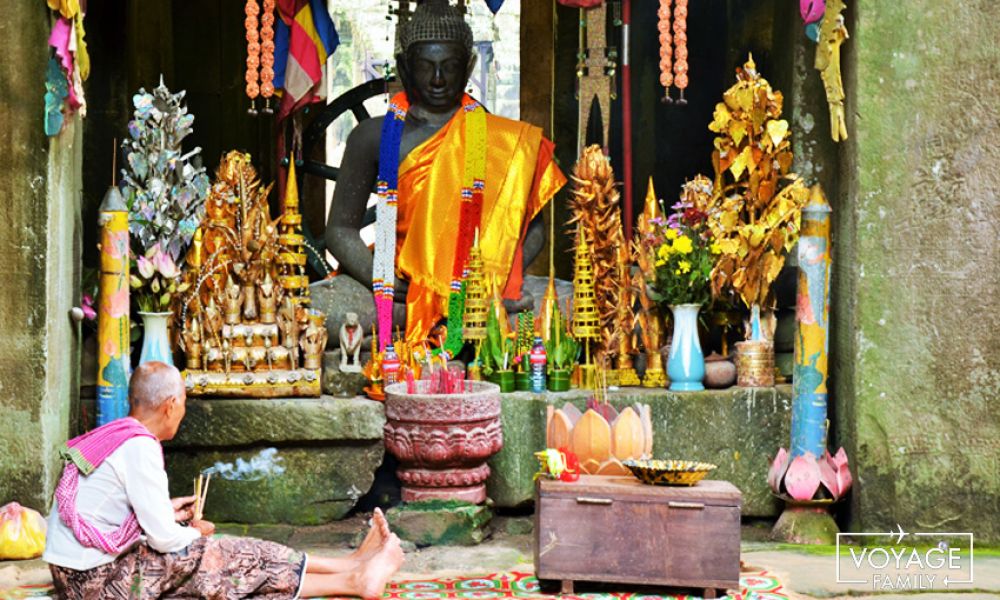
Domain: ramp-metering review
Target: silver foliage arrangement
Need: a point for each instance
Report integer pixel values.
(165, 188)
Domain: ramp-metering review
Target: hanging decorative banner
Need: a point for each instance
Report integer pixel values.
(832, 34)
(594, 72)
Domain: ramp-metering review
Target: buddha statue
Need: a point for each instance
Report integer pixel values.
(436, 178)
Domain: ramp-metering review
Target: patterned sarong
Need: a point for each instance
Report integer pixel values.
(222, 568)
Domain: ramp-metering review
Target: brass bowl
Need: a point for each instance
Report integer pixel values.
(669, 472)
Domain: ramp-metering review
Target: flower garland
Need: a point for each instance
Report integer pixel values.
(252, 9)
(680, 48)
(267, 56)
(673, 46)
(666, 49)
(473, 185)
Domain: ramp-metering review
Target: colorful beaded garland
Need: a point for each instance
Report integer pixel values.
(473, 185)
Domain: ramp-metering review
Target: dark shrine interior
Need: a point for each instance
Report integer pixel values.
(199, 47)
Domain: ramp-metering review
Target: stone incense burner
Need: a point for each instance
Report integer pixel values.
(443, 441)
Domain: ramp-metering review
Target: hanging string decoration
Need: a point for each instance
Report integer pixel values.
(680, 48)
(252, 9)
(267, 55)
(666, 50)
(673, 48)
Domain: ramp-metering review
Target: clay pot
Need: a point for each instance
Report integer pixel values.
(720, 372)
(442, 441)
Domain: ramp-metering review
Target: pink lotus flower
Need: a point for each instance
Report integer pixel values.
(146, 267)
(165, 265)
(804, 477)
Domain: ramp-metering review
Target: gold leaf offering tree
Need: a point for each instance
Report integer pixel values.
(596, 212)
(244, 325)
(756, 204)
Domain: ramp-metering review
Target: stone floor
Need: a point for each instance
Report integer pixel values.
(805, 574)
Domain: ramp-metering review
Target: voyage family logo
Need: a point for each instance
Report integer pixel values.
(901, 561)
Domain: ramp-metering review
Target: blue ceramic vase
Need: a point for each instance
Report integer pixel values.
(155, 339)
(686, 365)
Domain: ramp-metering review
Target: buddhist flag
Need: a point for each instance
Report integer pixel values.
(304, 38)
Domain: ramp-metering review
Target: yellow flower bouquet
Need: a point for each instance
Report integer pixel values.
(685, 254)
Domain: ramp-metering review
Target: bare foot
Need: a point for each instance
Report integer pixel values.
(377, 571)
(377, 534)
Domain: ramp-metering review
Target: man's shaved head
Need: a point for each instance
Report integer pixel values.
(153, 383)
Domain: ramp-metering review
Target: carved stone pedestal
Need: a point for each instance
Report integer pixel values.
(442, 441)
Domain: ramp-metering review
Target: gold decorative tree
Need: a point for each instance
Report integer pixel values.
(649, 314)
(245, 329)
(596, 212)
(586, 321)
(757, 201)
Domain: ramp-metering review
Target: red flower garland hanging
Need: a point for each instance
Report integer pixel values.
(666, 75)
(680, 48)
(252, 9)
(267, 58)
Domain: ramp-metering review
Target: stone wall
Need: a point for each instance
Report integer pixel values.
(301, 461)
(917, 356)
(737, 429)
(39, 251)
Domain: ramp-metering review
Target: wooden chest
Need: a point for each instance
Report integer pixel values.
(616, 529)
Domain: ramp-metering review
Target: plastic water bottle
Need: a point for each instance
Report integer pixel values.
(390, 366)
(538, 360)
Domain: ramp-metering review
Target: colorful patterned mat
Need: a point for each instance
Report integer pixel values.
(497, 586)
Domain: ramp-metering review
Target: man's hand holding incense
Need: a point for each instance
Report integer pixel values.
(183, 508)
(206, 528)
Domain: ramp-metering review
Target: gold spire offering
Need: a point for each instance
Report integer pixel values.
(245, 328)
(292, 258)
(624, 373)
(586, 322)
(649, 315)
(476, 301)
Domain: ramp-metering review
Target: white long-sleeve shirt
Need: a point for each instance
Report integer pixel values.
(132, 478)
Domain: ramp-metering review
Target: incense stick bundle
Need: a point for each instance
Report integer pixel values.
(200, 494)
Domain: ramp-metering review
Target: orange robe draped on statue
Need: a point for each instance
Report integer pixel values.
(521, 177)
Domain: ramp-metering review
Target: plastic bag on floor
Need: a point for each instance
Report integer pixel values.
(22, 532)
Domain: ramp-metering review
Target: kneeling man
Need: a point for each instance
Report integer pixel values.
(114, 532)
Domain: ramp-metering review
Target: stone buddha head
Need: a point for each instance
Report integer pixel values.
(436, 58)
